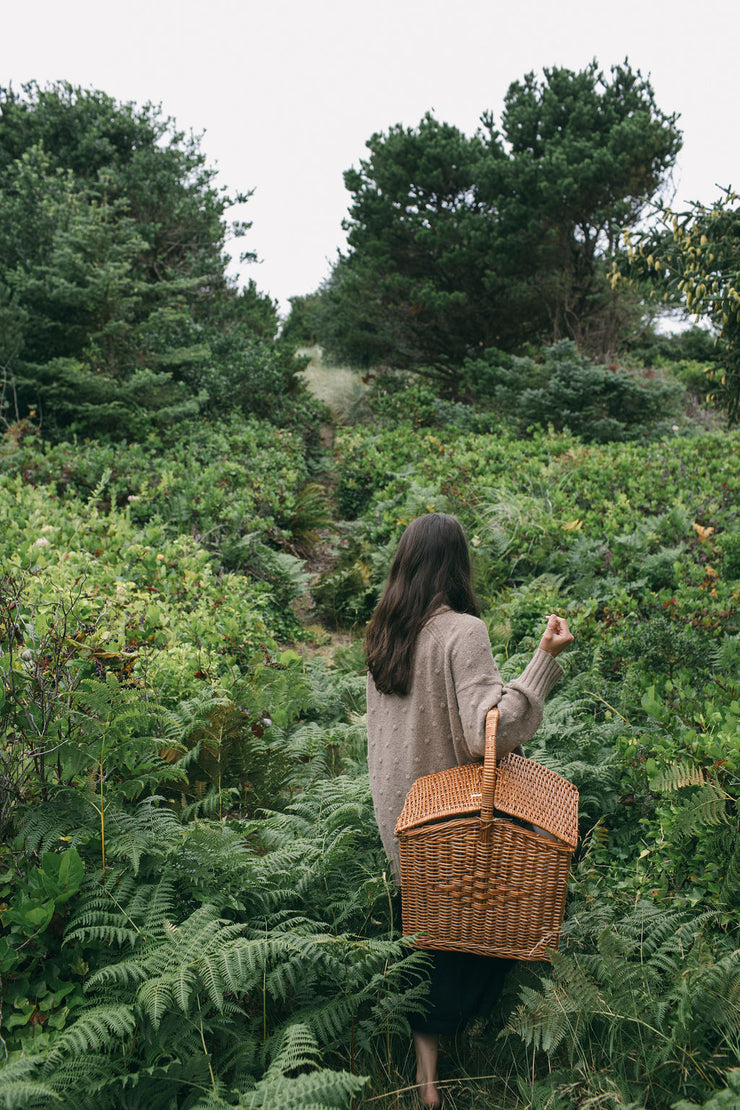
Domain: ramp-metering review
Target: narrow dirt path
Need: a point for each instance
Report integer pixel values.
(343, 391)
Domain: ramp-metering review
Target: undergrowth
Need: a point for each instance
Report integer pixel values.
(196, 907)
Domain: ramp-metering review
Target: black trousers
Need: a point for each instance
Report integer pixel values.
(462, 986)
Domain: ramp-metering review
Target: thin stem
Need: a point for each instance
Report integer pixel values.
(102, 817)
(598, 697)
(205, 1050)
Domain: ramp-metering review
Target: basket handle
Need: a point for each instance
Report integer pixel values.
(489, 769)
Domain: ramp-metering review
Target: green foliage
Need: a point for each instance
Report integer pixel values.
(647, 990)
(726, 1099)
(595, 514)
(116, 312)
(400, 398)
(693, 257)
(636, 543)
(195, 904)
(320, 1088)
(461, 244)
(300, 326)
(597, 403)
(202, 985)
(690, 345)
(586, 156)
(241, 488)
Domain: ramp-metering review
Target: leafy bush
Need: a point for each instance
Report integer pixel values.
(194, 897)
(598, 403)
(625, 996)
(241, 489)
(405, 398)
(258, 377)
(225, 985)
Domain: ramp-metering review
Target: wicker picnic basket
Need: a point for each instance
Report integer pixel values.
(475, 876)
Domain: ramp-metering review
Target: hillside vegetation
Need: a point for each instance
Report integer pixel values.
(196, 908)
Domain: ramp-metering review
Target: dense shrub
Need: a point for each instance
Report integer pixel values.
(194, 897)
(565, 389)
(240, 488)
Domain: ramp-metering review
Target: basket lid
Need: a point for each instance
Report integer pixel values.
(455, 792)
(523, 789)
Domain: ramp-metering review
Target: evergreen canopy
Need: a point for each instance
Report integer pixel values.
(113, 283)
(458, 244)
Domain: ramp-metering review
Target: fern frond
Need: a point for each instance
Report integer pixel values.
(19, 1090)
(98, 1029)
(124, 911)
(651, 984)
(313, 1088)
(297, 1049)
(152, 903)
(676, 776)
(105, 934)
(540, 1019)
(152, 829)
(707, 807)
(67, 814)
(725, 655)
(708, 986)
(731, 883)
(318, 1090)
(212, 803)
(155, 997)
(124, 975)
(191, 715)
(26, 1094)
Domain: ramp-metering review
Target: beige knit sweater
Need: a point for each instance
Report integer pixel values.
(440, 723)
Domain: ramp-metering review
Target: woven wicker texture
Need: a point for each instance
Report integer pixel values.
(474, 881)
(499, 892)
(444, 794)
(523, 789)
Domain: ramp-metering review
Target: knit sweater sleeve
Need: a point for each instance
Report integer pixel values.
(479, 687)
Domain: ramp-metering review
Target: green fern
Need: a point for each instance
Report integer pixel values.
(295, 1080)
(678, 775)
(706, 807)
(312, 515)
(19, 1090)
(731, 884)
(725, 655)
(646, 987)
(67, 816)
(99, 1028)
(151, 830)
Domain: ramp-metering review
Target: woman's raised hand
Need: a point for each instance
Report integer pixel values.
(557, 635)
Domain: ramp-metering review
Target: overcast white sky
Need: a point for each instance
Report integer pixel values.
(288, 91)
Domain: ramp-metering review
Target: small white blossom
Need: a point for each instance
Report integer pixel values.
(41, 542)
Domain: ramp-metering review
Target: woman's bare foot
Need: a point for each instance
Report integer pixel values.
(427, 1047)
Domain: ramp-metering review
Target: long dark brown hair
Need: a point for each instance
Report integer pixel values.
(431, 568)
